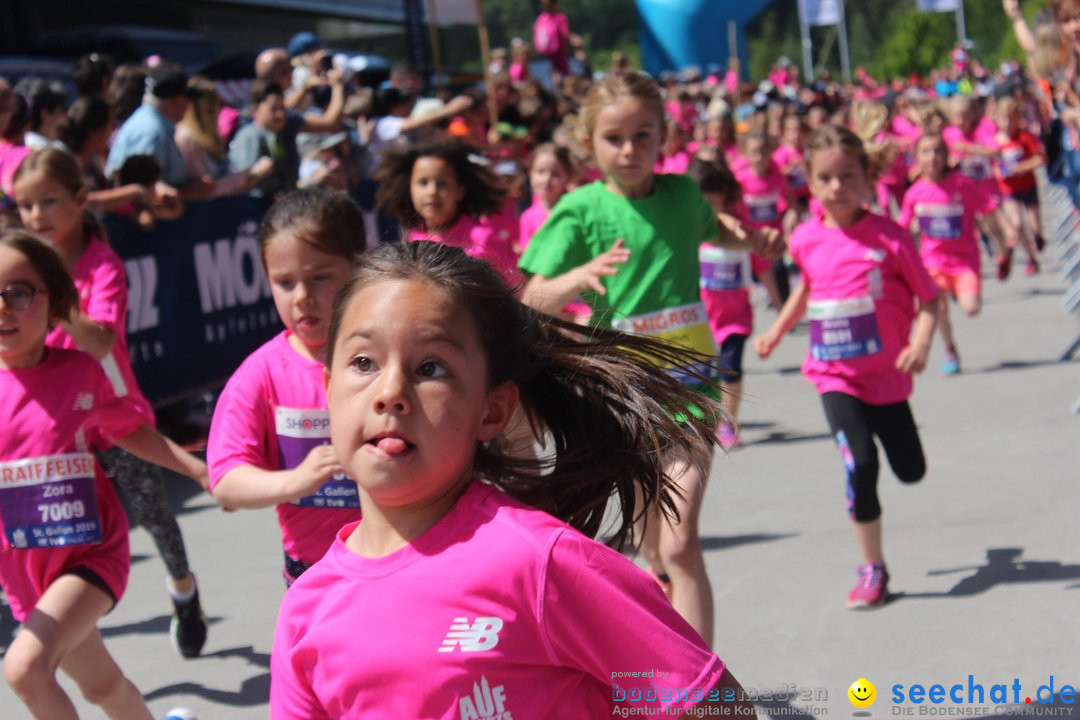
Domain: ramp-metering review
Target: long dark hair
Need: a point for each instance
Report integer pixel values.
(614, 415)
(484, 193)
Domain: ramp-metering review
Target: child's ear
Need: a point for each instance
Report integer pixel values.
(326, 381)
(82, 196)
(501, 403)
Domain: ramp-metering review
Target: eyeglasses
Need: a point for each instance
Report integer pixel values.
(20, 295)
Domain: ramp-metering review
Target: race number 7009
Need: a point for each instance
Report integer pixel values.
(57, 511)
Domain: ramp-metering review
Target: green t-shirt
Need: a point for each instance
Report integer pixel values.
(657, 291)
(662, 232)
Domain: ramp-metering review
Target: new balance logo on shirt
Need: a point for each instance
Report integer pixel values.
(486, 702)
(84, 401)
(481, 635)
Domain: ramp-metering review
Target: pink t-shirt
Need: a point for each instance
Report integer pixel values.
(531, 220)
(498, 611)
(270, 415)
(490, 239)
(764, 198)
(725, 275)
(676, 164)
(103, 295)
(946, 214)
(974, 165)
(11, 157)
(519, 72)
(52, 490)
(792, 163)
(863, 281)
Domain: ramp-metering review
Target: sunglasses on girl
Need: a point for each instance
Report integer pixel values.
(20, 295)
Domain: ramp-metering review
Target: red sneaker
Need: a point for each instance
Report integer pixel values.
(1004, 263)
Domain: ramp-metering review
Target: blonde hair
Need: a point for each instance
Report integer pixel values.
(200, 120)
(870, 120)
(632, 84)
(829, 137)
(1049, 47)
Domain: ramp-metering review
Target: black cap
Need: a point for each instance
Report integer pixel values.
(167, 81)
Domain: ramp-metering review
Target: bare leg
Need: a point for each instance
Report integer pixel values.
(680, 549)
(65, 620)
(944, 324)
(868, 536)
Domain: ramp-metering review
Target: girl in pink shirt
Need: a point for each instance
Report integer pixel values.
(861, 282)
(674, 156)
(51, 194)
(269, 438)
(946, 205)
(550, 172)
(765, 204)
(64, 555)
(440, 192)
(474, 565)
(725, 278)
(788, 156)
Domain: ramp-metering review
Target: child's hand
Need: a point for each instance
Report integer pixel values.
(591, 273)
(768, 243)
(203, 478)
(319, 466)
(912, 359)
(261, 169)
(765, 344)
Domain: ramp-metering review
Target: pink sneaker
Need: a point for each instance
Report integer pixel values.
(872, 589)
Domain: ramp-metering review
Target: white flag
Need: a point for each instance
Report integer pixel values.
(938, 5)
(820, 12)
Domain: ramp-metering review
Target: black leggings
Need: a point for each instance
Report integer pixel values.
(143, 485)
(854, 424)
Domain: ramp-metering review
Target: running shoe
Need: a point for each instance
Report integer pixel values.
(1032, 268)
(188, 627)
(951, 366)
(872, 589)
(1004, 263)
(728, 436)
(662, 579)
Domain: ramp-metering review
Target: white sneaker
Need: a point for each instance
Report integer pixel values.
(180, 714)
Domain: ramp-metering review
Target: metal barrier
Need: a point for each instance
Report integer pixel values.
(1060, 219)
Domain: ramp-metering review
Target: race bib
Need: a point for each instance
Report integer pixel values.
(762, 208)
(723, 269)
(301, 431)
(941, 221)
(50, 501)
(975, 167)
(1010, 158)
(843, 329)
(797, 178)
(686, 325)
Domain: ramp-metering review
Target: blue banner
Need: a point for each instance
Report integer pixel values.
(198, 298)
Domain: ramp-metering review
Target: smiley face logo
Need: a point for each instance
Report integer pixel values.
(862, 693)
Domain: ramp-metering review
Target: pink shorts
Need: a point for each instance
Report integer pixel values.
(958, 282)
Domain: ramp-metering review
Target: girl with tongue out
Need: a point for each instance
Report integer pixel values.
(269, 438)
(472, 587)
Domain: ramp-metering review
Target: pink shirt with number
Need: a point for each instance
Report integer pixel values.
(975, 166)
(487, 239)
(946, 213)
(270, 415)
(498, 611)
(57, 509)
(864, 280)
(792, 163)
(103, 295)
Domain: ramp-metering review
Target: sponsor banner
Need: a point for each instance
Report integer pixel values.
(198, 298)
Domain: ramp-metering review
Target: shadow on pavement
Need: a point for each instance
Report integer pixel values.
(782, 436)
(158, 625)
(247, 652)
(253, 691)
(722, 543)
(1019, 365)
(1003, 566)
